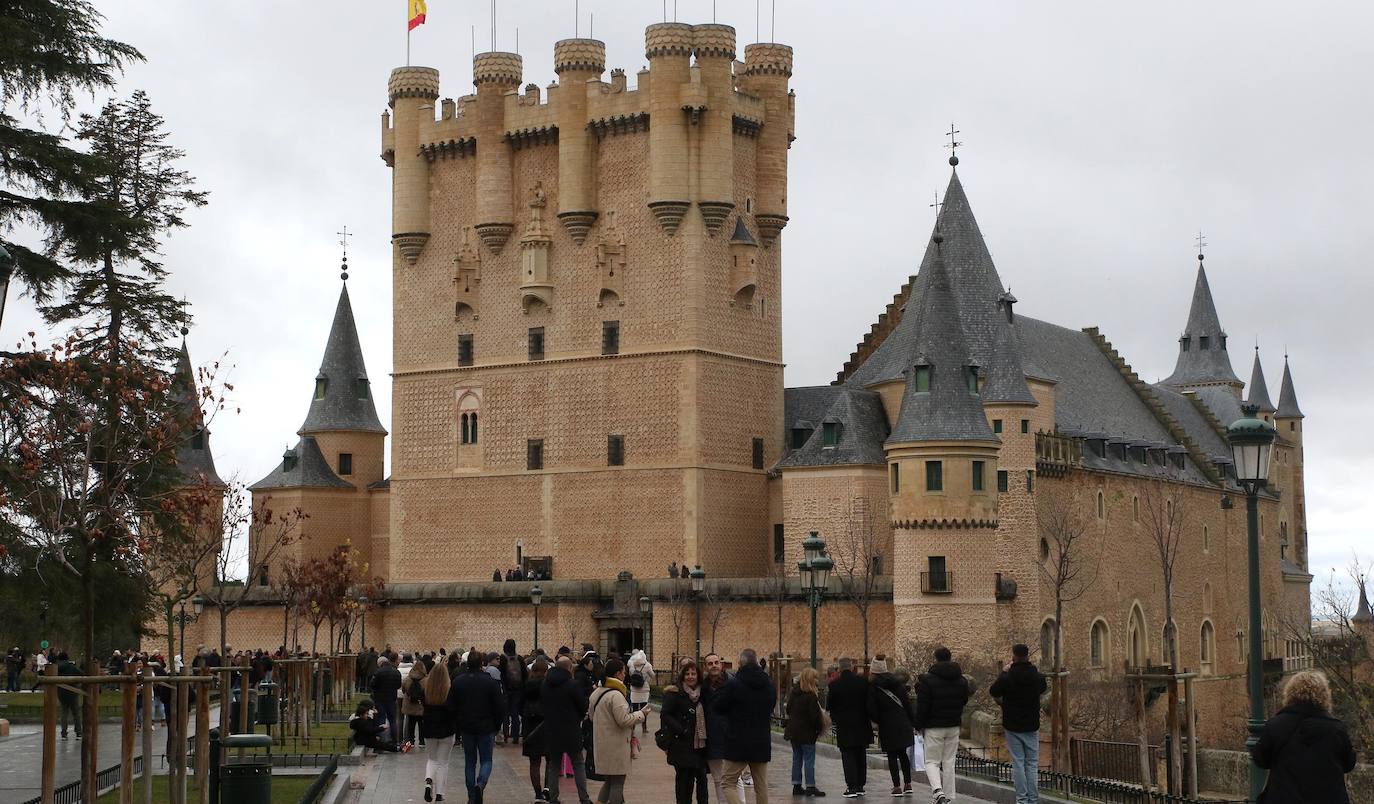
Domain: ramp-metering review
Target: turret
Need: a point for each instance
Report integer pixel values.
(494, 74)
(714, 46)
(195, 461)
(767, 68)
(578, 62)
(1288, 418)
(1202, 356)
(1258, 392)
(668, 46)
(411, 93)
(744, 264)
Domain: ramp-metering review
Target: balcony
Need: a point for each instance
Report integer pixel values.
(937, 583)
(1056, 454)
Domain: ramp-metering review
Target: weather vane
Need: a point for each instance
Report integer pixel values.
(953, 145)
(1201, 243)
(343, 241)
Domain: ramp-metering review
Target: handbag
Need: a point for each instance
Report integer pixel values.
(917, 752)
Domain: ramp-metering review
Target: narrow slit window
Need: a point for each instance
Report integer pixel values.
(997, 425)
(321, 385)
(896, 478)
(615, 450)
(935, 476)
(610, 337)
(534, 454)
(536, 343)
(757, 453)
(465, 349)
(978, 475)
(779, 543)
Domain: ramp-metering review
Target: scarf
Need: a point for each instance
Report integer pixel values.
(699, 736)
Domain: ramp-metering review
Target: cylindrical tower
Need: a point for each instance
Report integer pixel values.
(494, 74)
(767, 67)
(668, 46)
(715, 51)
(408, 91)
(576, 61)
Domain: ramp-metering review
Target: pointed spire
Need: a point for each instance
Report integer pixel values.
(343, 395)
(1259, 389)
(1005, 376)
(1202, 355)
(741, 234)
(1288, 398)
(194, 458)
(1363, 614)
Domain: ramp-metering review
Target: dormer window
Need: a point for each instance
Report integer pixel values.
(971, 376)
(1222, 338)
(321, 385)
(1203, 342)
(198, 440)
(922, 379)
(1186, 342)
(360, 387)
(830, 433)
(289, 461)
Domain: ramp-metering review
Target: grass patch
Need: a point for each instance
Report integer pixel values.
(107, 698)
(285, 790)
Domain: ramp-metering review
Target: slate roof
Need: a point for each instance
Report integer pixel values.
(1288, 398)
(310, 470)
(741, 234)
(347, 401)
(1222, 401)
(1258, 392)
(1005, 374)
(1196, 365)
(857, 413)
(1203, 433)
(193, 462)
(1363, 614)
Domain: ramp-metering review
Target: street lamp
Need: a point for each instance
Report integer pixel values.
(646, 605)
(182, 618)
(536, 597)
(6, 270)
(698, 576)
(362, 636)
(1251, 441)
(815, 577)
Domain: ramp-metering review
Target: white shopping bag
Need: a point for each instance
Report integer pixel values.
(917, 753)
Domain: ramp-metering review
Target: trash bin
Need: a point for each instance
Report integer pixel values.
(236, 704)
(246, 782)
(267, 704)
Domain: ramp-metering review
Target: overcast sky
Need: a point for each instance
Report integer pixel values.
(1099, 138)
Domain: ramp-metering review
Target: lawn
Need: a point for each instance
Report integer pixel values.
(285, 790)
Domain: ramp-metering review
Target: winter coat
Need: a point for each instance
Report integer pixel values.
(477, 704)
(889, 705)
(385, 683)
(532, 718)
(941, 694)
(67, 667)
(1018, 690)
(715, 726)
(413, 687)
(612, 726)
(679, 717)
(513, 673)
(804, 724)
(848, 704)
(564, 708)
(639, 663)
(368, 732)
(1307, 753)
(746, 704)
(437, 721)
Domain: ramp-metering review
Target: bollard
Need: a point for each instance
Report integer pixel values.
(214, 766)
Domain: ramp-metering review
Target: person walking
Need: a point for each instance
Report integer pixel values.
(1017, 690)
(532, 723)
(941, 693)
(513, 675)
(386, 683)
(848, 704)
(640, 678)
(684, 720)
(368, 731)
(746, 704)
(564, 706)
(436, 729)
(413, 700)
(716, 678)
(68, 699)
(1306, 750)
(889, 705)
(14, 665)
(806, 722)
(613, 728)
(478, 709)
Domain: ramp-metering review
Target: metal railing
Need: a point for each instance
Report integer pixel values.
(316, 789)
(70, 793)
(1102, 759)
(937, 583)
(1078, 787)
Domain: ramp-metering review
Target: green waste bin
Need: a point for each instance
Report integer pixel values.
(246, 782)
(267, 704)
(236, 703)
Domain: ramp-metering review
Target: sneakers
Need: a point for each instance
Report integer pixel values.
(852, 794)
(429, 789)
(897, 791)
(906, 790)
(941, 798)
(406, 747)
(812, 792)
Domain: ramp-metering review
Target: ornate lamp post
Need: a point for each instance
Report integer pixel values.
(536, 597)
(182, 618)
(646, 606)
(6, 270)
(698, 577)
(815, 577)
(1251, 441)
(362, 636)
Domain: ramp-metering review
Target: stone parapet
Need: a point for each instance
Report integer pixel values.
(413, 82)
(668, 39)
(579, 54)
(768, 58)
(712, 40)
(497, 68)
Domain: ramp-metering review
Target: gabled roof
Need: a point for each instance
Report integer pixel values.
(1259, 389)
(193, 461)
(302, 466)
(347, 400)
(1197, 365)
(1288, 398)
(857, 414)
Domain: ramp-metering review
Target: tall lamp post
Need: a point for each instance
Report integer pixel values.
(646, 605)
(698, 576)
(815, 570)
(1251, 440)
(536, 597)
(362, 635)
(182, 618)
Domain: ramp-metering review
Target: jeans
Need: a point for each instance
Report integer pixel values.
(612, 790)
(71, 706)
(477, 749)
(554, 766)
(387, 710)
(942, 744)
(804, 764)
(855, 765)
(12, 681)
(1025, 765)
(515, 699)
(732, 777)
(436, 763)
(687, 780)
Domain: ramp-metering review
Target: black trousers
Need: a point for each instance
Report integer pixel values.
(855, 767)
(899, 765)
(686, 780)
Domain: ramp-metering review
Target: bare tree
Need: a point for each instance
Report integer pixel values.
(1164, 514)
(254, 537)
(1067, 569)
(677, 594)
(717, 617)
(857, 554)
(774, 586)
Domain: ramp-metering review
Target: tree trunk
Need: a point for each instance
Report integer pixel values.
(223, 626)
(89, 746)
(167, 610)
(863, 614)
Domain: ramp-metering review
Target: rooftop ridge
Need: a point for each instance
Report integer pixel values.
(878, 332)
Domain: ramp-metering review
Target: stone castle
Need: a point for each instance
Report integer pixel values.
(588, 381)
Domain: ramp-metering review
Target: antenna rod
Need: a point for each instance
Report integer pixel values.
(591, 25)
(773, 23)
(493, 26)
(756, 20)
(577, 18)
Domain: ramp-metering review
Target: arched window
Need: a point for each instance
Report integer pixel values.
(1137, 639)
(1101, 506)
(1047, 643)
(468, 404)
(1099, 645)
(463, 428)
(1207, 648)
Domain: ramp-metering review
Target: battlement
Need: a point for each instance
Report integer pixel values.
(713, 41)
(582, 55)
(412, 82)
(496, 67)
(768, 58)
(668, 39)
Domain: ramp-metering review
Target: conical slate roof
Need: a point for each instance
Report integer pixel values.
(1199, 365)
(345, 400)
(1363, 613)
(1005, 375)
(741, 234)
(948, 411)
(1288, 398)
(302, 466)
(194, 459)
(1259, 389)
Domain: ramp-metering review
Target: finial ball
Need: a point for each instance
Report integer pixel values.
(954, 161)
(1199, 258)
(184, 331)
(938, 238)
(344, 276)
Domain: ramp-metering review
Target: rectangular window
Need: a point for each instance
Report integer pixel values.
(1187, 343)
(1203, 342)
(922, 378)
(345, 463)
(534, 454)
(876, 563)
(465, 350)
(757, 457)
(935, 476)
(896, 478)
(937, 577)
(1003, 482)
(830, 433)
(610, 337)
(1030, 481)
(779, 546)
(799, 436)
(978, 475)
(615, 450)
(360, 388)
(997, 425)
(1025, 425)
(321, 385)
(536, 343)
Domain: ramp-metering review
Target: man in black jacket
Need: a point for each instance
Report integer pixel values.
(941, 694)
(386, 683)
(564, 706)
(71, 703)
(1018, 690)
(847, 701)
(746, 704)
(478, 708)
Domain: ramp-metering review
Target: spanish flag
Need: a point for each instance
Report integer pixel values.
(416, 16)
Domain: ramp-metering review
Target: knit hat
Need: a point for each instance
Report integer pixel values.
(879, 665)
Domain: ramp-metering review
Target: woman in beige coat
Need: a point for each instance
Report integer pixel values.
(613, 727)
(413, 698)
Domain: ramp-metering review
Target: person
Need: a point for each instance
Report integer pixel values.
(413, 700)
(848, 704)
(941, 693)
(613, 728)
(746, 704)
(386, 683)
(368, 731)
(716, 679)
(496, 575)
(66, 697)
(1306, 750)
(589, 670)
(14, 665)
(640, 679)
(684, 719)
(436, 729)
(889, 705)
(564, 705)
(531, 721)
(1017, 690)
(369, 668)
(478, 709)
(672, 570)
(805, 725)
(513, 675)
